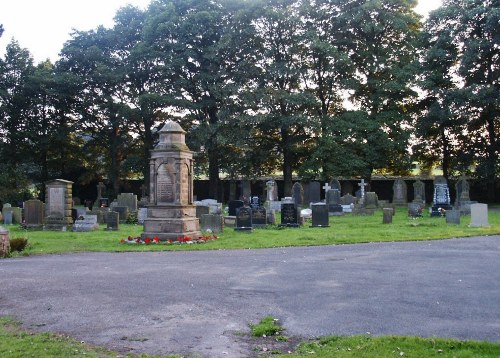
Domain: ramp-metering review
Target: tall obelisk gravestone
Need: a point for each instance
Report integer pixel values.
(171, 213)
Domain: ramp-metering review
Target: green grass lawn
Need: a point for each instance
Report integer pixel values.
(346, 229)
(366, 346)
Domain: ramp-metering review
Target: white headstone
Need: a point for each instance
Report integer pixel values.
(479, 215)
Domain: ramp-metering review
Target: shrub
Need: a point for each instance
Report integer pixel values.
(18, 244)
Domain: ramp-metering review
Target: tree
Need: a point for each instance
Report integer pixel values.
(464, 51)
(284, 105)
(201, 50)
(383, 45)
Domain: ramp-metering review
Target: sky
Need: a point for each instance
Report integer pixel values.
(43, 26)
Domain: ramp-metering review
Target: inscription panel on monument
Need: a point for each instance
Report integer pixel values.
(165, 185)
(57, 201)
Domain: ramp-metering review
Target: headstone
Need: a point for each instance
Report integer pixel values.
(272, 190)
(129, 200)
(419, 192)
(462, 188)
(453, 217)
(7, 217)
(415, 210)
(234, 206)
(362, 186)
(320, 215)
(314, 192)
(259, 217)
(333, 202)
(347, 199)
(142, 214)
(371, 200)
(441, 197)
(112, 221)
(271, 217)
(326, 187)
(202, 210)
(289, 215)
(213, 206)
(400, 194)
(335, 184)
(479, 215)
(86, 223)
(124, 213)
(388, 214)
(58, 205)
(298, 194)
(100, 213)
(212, 222)
(243, 219)
(255, 202)
(274, 206)
(463, 202)
(17, 215)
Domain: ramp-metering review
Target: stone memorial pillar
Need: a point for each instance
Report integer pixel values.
(58, 205)
(171, 212)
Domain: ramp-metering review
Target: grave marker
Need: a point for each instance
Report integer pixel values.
(243, 219)
(289, 215)
(33, 213)
(479, 215)
(259, 217)
(320, 215)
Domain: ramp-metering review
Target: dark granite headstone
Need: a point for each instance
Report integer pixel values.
(233, 206)
(289, 214)
(112, 220)
(319, 215)
(333, 202)
(259, 217)
(243, 219)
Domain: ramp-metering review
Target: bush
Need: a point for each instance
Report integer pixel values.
(18, 244)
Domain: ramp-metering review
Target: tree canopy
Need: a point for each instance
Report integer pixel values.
(318, 88)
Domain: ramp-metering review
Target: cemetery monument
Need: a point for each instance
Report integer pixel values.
(171, 211)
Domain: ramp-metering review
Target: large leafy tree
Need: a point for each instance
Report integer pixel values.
(463, 67)
(201, 49)
(383, 44)
(283, 117)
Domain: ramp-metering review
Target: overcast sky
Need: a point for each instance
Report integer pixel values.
(42, 26)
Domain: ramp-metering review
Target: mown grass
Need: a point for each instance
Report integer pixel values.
(346, 229)
(15, 342)
(393, 346)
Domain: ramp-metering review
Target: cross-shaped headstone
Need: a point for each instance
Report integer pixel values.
(362, 186)
(100, 188)
(326, 187)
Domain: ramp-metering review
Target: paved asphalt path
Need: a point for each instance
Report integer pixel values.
(197, 302)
